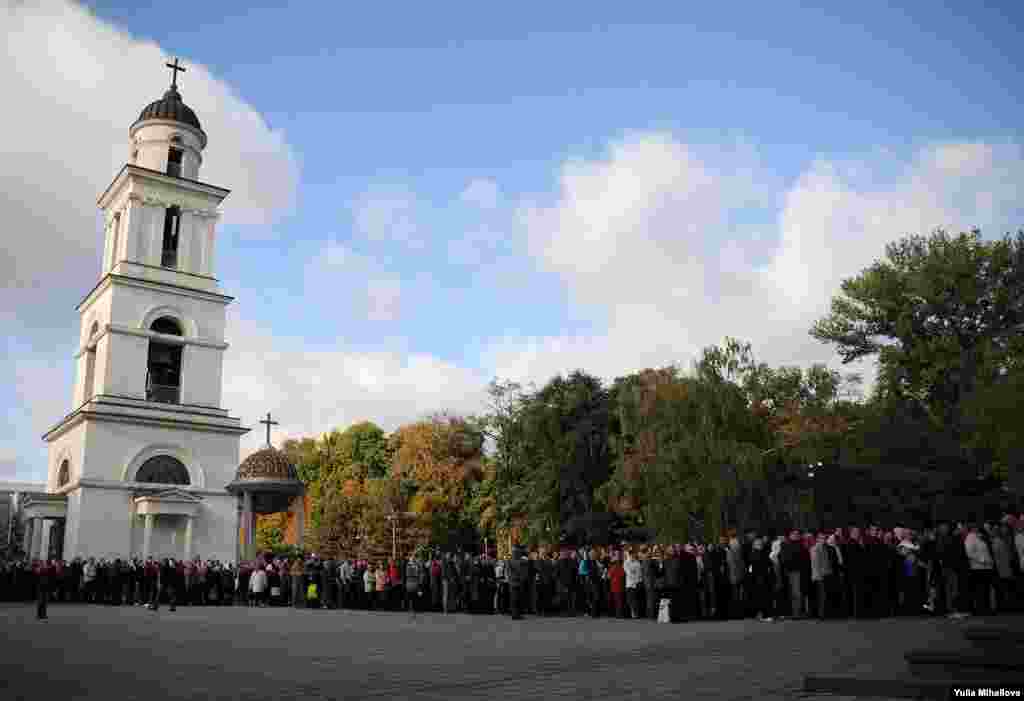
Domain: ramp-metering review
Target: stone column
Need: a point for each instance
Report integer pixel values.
(185, 234)
(188, 537)
(209, 232)
(249, 518)
(37, 538)
(300, 516)
(26, 544)
(147, 535)
(238, 530)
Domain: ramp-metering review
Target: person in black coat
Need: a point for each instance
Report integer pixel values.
(652, 573)
(719, 570)
(673, 582)
(794, 559)
(329, 583)
(762, 579)
(853, 554)
(166, 584)
(546, 571)
(519, 574)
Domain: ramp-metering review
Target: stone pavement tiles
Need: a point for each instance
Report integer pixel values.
(113, 653)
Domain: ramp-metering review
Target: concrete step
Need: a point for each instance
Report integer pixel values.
(996, 664)
(907, 688)
(996, 634)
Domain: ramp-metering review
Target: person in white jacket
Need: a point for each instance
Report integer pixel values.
(258, 586)
(979, 562)
(634, 578)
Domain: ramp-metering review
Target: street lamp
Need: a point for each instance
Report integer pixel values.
(394, 535)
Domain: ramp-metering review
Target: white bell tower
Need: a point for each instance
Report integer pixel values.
(145, 454)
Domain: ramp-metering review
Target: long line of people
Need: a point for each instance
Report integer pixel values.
(853, 572)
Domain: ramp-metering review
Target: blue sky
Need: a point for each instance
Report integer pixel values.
(462, 191)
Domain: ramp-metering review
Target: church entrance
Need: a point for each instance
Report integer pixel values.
(164, 522)
(55, 548)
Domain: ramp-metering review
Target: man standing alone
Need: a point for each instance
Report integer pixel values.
(44, 575)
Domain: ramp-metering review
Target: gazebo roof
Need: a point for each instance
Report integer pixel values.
(267, 470)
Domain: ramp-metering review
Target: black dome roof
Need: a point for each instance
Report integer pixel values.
(170, 107)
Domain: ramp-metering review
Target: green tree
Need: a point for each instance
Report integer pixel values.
(502, 426)
(563, 453)
(943, 314)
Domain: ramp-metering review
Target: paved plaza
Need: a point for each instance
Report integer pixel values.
(98, 652)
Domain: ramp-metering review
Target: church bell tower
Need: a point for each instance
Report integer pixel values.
(145, 454)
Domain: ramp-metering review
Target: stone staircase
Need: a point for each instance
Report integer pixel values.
(989, 653)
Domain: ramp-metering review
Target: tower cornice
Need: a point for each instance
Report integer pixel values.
(212, 192)
(112, 278)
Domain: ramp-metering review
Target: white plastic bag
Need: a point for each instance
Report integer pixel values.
(664, 612)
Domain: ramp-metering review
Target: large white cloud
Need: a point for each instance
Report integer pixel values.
(640, 236)
(313, 388)
(71, 86)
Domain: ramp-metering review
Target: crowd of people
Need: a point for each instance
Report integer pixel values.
(953, 569)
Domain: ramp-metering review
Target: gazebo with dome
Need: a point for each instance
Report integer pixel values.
(266, 483)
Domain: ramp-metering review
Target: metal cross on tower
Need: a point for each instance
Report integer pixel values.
(269, 422)
(174, 72)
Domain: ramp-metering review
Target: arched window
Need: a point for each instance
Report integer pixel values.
(163, 469)
(64, 474)
(163, 370)
(172, 227)
(167, 325)
(174, 158)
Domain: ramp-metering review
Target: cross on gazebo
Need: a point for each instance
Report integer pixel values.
(174, 72)
(269, 422)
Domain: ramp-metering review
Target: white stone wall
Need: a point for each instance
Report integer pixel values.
(114, 450)
(120, 361)
(72, 523)
(137, 307)
(103, 519)
(214, 533)
(69, 446)
(126, 377)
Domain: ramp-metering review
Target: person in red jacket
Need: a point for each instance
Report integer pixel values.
(43, 571)
(617, 585)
